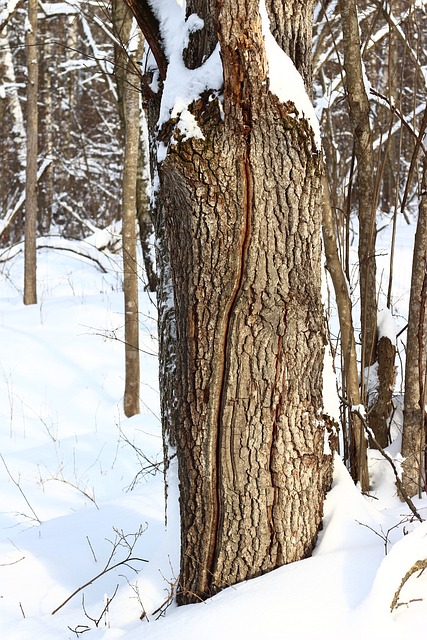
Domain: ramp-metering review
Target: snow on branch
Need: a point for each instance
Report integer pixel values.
(182, 85)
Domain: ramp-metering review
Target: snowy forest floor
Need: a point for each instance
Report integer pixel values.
(82, 491)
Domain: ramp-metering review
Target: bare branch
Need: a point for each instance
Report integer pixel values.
(120, 541)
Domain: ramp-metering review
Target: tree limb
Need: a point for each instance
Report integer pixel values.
(150, 27)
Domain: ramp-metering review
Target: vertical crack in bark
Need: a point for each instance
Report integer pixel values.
(247, 205)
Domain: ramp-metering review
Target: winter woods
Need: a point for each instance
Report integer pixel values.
(238, 134)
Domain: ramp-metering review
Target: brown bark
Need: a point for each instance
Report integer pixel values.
(350, 376)
(242, 212)
(130, 265)
(415, 414)
(291, 24)
(359, 117)
(151, 29)
(30, 276)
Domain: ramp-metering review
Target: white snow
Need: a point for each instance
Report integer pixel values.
(183, 86)
(71, 460)
(386, 325)
(285, 80)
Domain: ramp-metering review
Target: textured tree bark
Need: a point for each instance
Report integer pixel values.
(130, 264)
(242, 212)
(30, 268)
(415, 413)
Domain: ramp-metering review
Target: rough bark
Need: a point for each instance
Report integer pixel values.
(291, 24)
(242, 212)
(130, 264)
(202, 42)
(30, 275)
(415, 414)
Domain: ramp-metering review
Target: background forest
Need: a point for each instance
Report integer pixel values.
(373, 121)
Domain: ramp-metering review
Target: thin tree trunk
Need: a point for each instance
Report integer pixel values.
(241, 206)
(415, 413)
(130, 265)
(350, 376)
(122, 23)
(48, 184)
(359, 117)
(30, 276)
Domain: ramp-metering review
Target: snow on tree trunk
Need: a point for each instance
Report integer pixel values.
(240, 189)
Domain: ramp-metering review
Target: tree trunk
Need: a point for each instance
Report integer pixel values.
(242, 212)
(122, 24)
(30, 276)
(415, 413)
(350, 377)
(359, 117)
(130, 264)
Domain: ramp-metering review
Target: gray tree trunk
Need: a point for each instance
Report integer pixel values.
(122, 24)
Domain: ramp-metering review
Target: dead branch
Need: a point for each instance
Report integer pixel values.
(419, 565)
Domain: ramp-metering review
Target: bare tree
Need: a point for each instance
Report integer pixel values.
(359, 116)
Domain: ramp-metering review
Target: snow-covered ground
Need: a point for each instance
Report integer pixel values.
(82, 491)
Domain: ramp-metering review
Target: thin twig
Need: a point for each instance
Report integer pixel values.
(121, 540)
